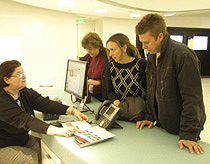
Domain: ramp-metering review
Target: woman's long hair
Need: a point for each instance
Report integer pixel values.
(121, 40)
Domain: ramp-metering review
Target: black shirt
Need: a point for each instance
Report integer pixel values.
(16, 121)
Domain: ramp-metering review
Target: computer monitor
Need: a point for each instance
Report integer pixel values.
(76, 81)
(198, 42)
(178, 38)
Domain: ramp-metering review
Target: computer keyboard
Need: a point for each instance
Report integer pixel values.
(47, 116)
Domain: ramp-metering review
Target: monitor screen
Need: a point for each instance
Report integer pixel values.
(178, 38)
(198, 42)
(76, 78)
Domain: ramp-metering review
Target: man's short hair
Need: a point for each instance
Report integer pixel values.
(153, 23)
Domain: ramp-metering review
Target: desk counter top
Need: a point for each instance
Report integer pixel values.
(129, 146)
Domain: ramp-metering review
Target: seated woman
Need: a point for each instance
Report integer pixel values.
(126, 74)
(97, 58)
(17, 118)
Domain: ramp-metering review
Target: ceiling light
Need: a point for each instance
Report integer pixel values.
(66, 3)
(135, 15)
(100, 11)
(167, 15)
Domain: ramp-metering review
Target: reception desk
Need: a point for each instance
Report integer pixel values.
(129, 146)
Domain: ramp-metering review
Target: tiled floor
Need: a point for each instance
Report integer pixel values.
(205, 134)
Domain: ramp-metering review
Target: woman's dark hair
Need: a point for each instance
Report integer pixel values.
(6, 70)
(121, 40)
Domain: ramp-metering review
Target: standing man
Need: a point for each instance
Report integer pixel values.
(174, 91)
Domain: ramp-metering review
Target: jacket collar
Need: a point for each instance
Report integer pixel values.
(1, 90)
(165, 44)
(152, 59)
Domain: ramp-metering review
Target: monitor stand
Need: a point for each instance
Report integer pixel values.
(116, 125)
(82, 107)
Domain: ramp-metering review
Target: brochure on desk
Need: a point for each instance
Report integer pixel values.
(89, 135)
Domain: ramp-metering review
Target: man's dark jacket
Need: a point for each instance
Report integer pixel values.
(178, 90)
(103, 74)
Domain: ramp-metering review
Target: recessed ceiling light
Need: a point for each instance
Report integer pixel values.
(66, 3)
(134, 15)
(167, 15)
(100, 11)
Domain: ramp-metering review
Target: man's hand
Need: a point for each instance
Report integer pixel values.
(191, 145)
(142, 123)
(116, 102)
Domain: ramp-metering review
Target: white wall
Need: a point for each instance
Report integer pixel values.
(125, 26)
(82, 30)
(48, 39)
(190, 21)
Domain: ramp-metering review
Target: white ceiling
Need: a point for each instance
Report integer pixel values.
(122, 8)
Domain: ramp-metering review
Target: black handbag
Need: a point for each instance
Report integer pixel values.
(132, 109)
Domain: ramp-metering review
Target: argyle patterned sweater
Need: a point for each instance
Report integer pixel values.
(126, 79)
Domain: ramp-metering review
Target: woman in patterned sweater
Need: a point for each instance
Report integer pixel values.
(126, 73)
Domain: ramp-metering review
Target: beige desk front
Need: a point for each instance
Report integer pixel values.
(129, 146)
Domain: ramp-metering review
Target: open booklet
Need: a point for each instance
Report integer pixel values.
(89, 135)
